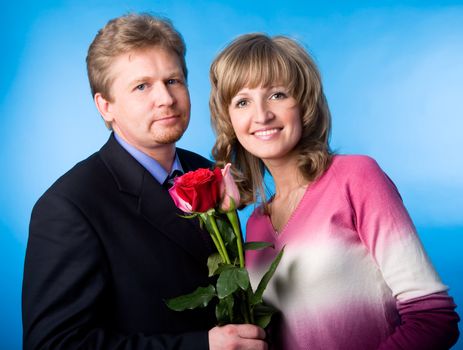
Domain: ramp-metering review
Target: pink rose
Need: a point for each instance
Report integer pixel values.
(197, 191)
(229, 191)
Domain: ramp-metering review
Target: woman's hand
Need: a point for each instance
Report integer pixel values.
(237, 337)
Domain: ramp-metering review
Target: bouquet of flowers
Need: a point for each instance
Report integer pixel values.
(212, 196)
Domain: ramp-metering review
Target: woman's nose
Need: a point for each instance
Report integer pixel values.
(263, 114)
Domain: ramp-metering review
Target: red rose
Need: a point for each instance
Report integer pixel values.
(197, 191)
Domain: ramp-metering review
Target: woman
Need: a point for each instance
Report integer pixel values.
(354, 274)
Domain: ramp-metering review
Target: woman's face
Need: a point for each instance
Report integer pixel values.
(267, 121)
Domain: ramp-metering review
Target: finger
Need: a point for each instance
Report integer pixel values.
(252, 344)
(250, 331)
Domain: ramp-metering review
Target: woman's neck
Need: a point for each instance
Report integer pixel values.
(286, 175)
(290, 186)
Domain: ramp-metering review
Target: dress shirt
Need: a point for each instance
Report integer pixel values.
(150, 164)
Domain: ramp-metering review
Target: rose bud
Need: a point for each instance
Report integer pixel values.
(229, 191)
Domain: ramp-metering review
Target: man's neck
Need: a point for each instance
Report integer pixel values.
(163, 154)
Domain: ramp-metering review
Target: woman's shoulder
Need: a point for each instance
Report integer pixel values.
(361, 175)
(258, 213)
(258, 216)
(356, 169)
(354, 161)
(354, 164)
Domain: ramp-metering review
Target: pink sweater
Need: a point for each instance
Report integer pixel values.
(354, 274)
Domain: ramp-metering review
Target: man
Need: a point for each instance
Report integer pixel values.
(106, 245)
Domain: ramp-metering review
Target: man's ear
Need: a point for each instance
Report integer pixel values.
(104, 107)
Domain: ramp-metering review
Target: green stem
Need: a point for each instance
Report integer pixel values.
(204, 217)
(248, 306)
(236, 229)
(217, 245)
(245, 308)
(230, 312)
(219, 238)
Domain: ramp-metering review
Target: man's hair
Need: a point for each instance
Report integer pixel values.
(125, 34)
(254, 60)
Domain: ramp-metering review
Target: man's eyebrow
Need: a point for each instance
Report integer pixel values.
(139, 80)
(174, 73)
(167, 75)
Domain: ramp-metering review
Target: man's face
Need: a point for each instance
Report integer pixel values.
(150, 105)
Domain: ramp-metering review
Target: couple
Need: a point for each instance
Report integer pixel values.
(107, 247)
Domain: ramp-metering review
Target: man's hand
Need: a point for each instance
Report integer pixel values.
(237, 337)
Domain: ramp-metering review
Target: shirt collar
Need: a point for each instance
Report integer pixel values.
(150, 164)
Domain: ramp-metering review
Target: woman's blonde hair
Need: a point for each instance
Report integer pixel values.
(254, 60)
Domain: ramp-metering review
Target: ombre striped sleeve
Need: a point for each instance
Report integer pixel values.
(427, 313)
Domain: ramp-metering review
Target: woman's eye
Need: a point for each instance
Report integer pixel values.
(241, 103)
(278, 96)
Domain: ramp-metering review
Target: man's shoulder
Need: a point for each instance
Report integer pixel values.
(89, 173)
(193, 159)
(83, 177)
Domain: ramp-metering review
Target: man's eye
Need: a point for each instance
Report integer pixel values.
(141, 87)
(173, 81)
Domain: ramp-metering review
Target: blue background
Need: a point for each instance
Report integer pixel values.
(393, 75)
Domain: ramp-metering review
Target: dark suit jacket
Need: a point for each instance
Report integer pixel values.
(106, 248)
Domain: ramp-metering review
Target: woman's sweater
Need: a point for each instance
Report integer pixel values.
(354, 274)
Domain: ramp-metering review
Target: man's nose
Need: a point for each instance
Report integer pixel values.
(162, 95)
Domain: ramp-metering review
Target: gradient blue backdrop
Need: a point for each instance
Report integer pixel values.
(393, 75)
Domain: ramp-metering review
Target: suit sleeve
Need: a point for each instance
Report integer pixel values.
(65, 283)
(427, 313)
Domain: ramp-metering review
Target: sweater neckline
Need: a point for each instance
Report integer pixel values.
(310, 187)
(277, 234)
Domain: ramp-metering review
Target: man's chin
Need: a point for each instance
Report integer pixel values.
(169, 138)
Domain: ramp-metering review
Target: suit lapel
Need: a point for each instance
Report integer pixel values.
(154, 204)
(159, 209)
